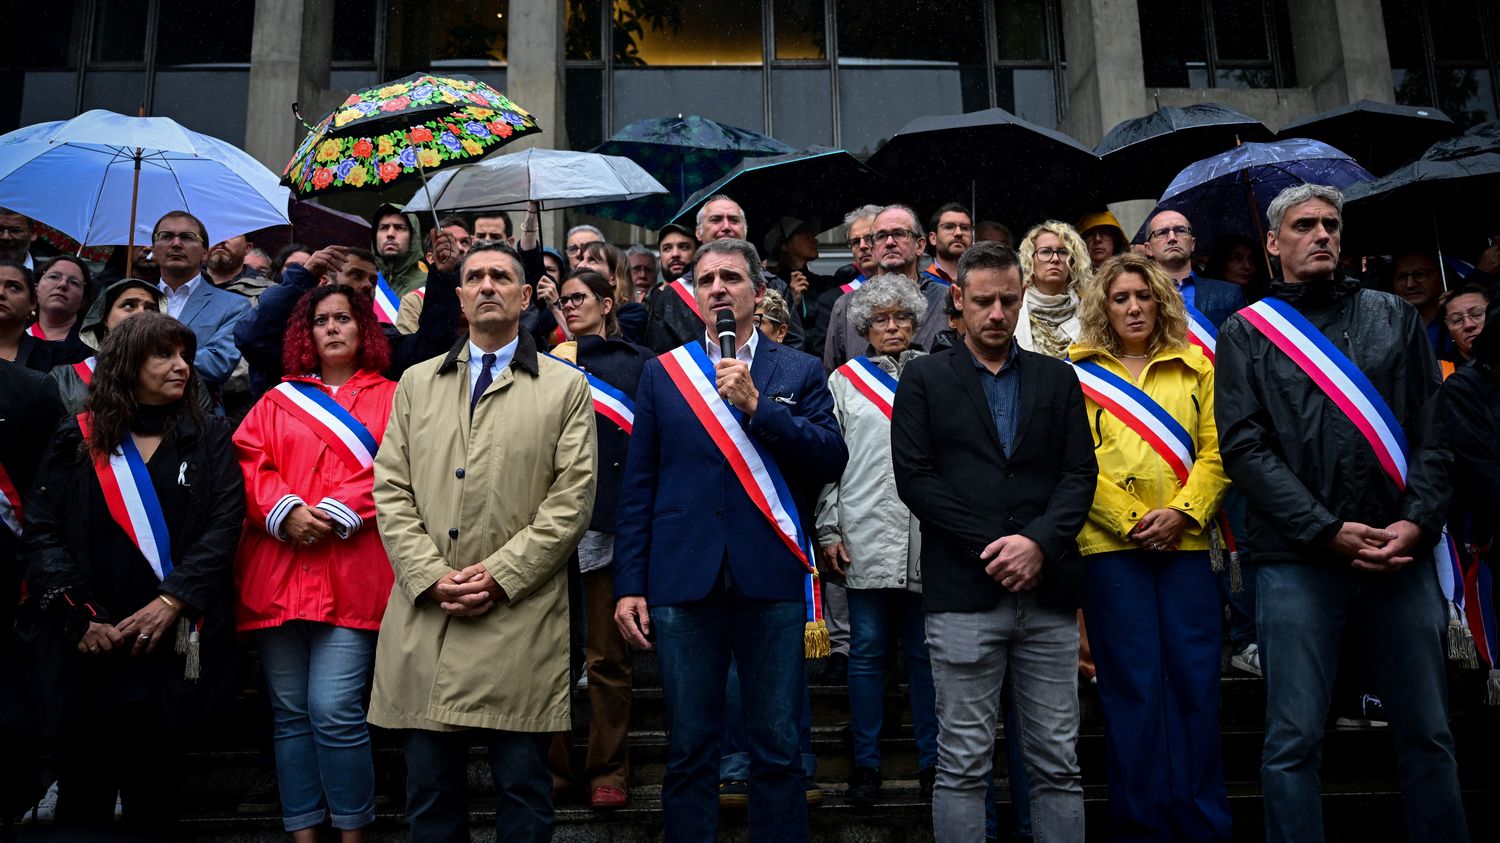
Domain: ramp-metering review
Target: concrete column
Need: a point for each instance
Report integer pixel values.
(1341, 52)
(1106, 81)
(534, 79)
(290, 53)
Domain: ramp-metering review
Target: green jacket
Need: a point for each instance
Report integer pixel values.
(405, 272)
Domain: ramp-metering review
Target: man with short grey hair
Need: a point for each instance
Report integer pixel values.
(1347, 488)
(578, 237)
(641, 262)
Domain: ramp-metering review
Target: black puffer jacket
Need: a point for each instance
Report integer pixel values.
(1304, 466)
(1471, 422)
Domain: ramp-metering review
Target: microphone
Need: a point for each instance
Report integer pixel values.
(724, 326)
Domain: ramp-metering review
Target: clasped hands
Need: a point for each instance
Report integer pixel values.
(1378, 549)
(467, 593)
(139, 633)
(1160, 529)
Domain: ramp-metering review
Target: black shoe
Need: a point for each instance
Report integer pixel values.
(734, 794)
(836, 672)
(864, 787)
(926, 777)
(1365, 710)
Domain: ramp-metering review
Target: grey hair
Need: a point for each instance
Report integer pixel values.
(589, 228)
(731, 246)
(884, 291)
(258, 251)
(638, 249)
(717, 197)
(916, 224)
(863, 212)
(1298, 194)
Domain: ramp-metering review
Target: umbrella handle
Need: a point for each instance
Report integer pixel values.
(422, 171)
(135, 189)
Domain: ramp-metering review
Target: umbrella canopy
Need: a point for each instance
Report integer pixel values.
(315, 225)
(1447, 194)
(1000, 165)
(1142, 154)
(684, 154)
(555, 178)
(90, 176)
(403, 129)
(816, 184)
(1379, 135)
(1229, 193)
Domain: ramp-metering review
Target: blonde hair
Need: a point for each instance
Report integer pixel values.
(1170, 331)
(1079, 266)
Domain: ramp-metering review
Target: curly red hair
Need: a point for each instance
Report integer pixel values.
(299, 354)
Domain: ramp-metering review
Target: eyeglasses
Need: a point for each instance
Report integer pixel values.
(1419, 276)
(951, 227)
(1178, 230)
(884, 319)
(577, 248)
(1049, 254)
(575, 300)
(15, 232)
(855, 242)
(59, 278)
(1475, 313)
(761, 317)
(895, 234)
(184, 236)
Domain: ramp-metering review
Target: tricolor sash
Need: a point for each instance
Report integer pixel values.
(609, 402)
(336, 426)
(1201, 332)
(680, 287)
(1336, 375)
(872, 382)
(132, 501)
(859, 281)
(36, 330)
(387, 303)
(693, 376)
(11, 512)
(85, 370)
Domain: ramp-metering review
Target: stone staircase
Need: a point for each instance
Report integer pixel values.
(1361, 800)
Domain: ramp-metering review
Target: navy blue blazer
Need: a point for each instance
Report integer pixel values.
(1217, 300)
(682, 510)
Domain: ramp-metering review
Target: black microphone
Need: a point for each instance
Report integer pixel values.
(724, 325)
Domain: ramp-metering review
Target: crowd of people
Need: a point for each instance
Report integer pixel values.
(436, 481)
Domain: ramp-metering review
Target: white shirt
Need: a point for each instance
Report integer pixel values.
(177, 299)
(745, 354)
(502, 359)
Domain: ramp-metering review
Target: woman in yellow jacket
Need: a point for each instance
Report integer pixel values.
(1151, 595)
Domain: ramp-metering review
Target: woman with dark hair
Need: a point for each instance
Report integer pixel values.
(614, 367)
(609, 261)
(129, 548)
(297, 253)
(313, 577)
(64, 290)
(1240, 260)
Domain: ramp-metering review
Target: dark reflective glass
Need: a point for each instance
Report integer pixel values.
(801, 30)
(41, 37)
(354, 30)
(188, 32)
(946, 31)
(655, 33)
(1173, 43)
(581, 42)
(120, 30)
(1021, 29)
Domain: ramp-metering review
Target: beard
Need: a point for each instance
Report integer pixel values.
(223, 263)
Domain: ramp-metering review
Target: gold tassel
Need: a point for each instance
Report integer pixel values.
(815, 642)
(1492, 688)
(192, 669)
(184, 631)
(1461, 649)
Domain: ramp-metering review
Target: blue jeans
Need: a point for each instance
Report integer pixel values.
(695, 642)
(1302, 615)
(437, 784)
(1155, 630)
(734, 765)
(317, 676)
(872, 614)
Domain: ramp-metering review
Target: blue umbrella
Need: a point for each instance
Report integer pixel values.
(684, 154)
(1229, 193)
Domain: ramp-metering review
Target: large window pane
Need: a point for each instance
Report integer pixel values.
(423, 34)
(945, 31)
(1240, 30)
(189, 32)
(36, 96)
(40, 37)
(801, 30)
(874, 103)
(802, 106)
(1173, 46)
(208, 101)
(1028, 94)
(120, 30)
(585, 107)
(655, 33)
(354, 30)
(582, 39)
(728, 95)
(1021, 30)
(1457, 32)
(123, 91)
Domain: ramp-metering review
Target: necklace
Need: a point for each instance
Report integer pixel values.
(1136, 356)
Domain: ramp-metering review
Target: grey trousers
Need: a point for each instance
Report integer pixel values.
(970, 652)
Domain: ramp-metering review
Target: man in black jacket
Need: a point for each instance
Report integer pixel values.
(1337, 541)
(993, 455)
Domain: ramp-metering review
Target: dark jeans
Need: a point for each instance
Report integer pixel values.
(119, 751)
(873, 614)
(1303, 612)
(437, 784)
(734, 765)
(695, 642)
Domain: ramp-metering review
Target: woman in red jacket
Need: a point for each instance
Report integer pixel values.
(313, 577)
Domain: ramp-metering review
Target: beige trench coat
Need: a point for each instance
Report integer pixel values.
(514, 490)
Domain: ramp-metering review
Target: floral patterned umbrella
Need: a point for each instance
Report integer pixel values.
(401, 129)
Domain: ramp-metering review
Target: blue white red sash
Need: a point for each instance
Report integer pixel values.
(11, 513)
(387, 303)
(1479, 608)
(36, 331)
(933, 276)
(859, 281)
(336, 426)
(1139, 412)
(1201, 332)
(872, 382)
(685, 293)
(132, 502)
(609, 402)
(1339, 379)
(85, 370)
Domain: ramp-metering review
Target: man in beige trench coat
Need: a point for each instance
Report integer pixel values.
(483, 486)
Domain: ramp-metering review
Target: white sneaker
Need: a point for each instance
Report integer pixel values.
(1247, 659)
(45, 810)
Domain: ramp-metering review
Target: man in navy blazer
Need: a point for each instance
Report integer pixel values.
(697, 563)
(179, 243)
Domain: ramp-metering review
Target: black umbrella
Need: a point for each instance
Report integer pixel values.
(1445, 198)
(1380, 136)
(1003, 167)
(812, 184)
(1141, 156)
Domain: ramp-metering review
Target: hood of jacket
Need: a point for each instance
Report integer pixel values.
(91, 330)
(401, 268)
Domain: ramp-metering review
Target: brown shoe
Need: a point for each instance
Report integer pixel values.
(608, 798)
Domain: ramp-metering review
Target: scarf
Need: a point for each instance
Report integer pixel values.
(1047, 315)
